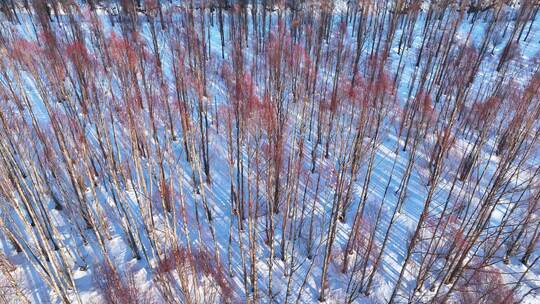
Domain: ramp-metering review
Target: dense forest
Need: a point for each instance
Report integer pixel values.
(269, 151)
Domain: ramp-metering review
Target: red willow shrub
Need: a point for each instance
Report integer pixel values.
(202, 262)
(118, 288)
(485, 286)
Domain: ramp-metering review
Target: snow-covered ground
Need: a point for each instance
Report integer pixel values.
(388, 168)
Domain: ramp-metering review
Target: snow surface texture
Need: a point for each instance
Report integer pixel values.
(298, 272)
